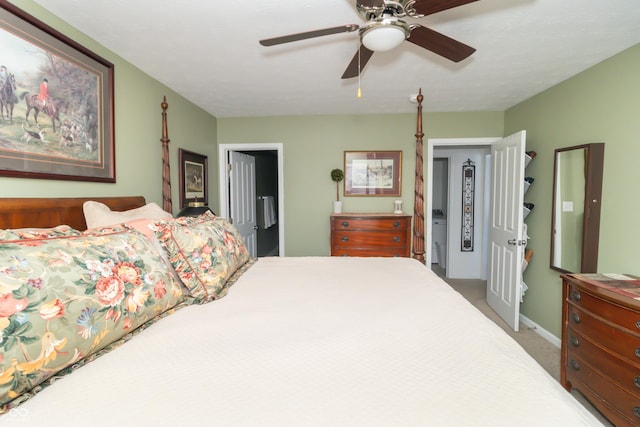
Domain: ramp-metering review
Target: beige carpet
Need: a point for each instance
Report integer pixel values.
(547, 354)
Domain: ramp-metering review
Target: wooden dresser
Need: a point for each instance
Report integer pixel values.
(368, 234)
(600, 354)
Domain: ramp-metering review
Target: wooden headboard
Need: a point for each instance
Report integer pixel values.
(50, 212)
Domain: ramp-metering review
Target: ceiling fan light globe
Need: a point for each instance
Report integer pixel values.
(383, 38)
(384, 33)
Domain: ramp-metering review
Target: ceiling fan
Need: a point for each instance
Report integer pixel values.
(386, 29)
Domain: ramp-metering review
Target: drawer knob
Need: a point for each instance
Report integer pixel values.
(575, 295)
(638, 324)
(345, 223)
(575, 317)
(636, 411)
(637, 352)
(345, 239)
(396, 224)
(636, 382)
(574, 365)
(396, 239)
(575, 341)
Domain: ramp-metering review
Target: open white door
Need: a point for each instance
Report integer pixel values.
(506, 241)
(242, 198)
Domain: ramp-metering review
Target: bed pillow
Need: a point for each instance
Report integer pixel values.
(63, 299)
(205, 252)
(98, 214)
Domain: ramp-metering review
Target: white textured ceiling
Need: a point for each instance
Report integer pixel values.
(208, 51)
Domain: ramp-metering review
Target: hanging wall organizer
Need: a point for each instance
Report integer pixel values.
(468, 191)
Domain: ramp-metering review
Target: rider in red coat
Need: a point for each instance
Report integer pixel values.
(43, 95)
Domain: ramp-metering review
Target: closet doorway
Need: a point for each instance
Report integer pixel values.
(254, 199)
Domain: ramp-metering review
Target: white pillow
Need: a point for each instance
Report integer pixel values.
(98, 214)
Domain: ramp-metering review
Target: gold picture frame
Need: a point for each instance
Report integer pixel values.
(57, 103)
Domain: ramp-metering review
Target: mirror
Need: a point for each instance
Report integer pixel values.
(575, 225)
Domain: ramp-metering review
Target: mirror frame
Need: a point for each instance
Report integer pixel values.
(594, 166)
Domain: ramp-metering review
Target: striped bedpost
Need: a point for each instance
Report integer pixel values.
(166, 170)
(418, 203)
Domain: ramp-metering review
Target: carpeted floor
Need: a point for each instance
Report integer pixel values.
(546, 353)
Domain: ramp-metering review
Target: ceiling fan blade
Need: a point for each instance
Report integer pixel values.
(428, 7)
(309, 35)
(352, 68)
(439, 43)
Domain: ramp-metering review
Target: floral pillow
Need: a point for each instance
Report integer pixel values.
(205, 252)
(38, 233)
(65, 298)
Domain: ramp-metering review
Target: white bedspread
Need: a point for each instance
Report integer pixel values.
(315, 342)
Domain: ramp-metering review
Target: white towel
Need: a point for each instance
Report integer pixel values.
(266, 211)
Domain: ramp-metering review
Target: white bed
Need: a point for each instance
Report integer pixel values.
(315, 341)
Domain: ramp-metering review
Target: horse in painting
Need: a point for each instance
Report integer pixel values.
(8, 98)
(52, 108)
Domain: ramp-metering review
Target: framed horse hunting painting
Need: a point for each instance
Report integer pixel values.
(56, 104)
(373, 173)
(193, 178)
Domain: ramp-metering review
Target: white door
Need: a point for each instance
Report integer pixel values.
(506, 241)
(242, 198)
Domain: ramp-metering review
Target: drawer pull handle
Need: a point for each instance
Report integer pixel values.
(575, 317)
(345, 239)
(636, 411)
(574, 365)
(575, 341)
(575, 295)
(396, 239)
(636, 382)
(345, 223)
(396, 224)
(638, 324)
(637, 352)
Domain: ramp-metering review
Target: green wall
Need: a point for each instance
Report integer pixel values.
(314, 145)
(138, 131)
(601, 104)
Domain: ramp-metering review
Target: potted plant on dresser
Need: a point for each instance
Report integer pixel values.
(337, 176)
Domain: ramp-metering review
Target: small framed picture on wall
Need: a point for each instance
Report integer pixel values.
(193, 178)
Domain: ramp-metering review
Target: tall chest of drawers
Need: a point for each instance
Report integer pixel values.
(600, 354)
(369, 234)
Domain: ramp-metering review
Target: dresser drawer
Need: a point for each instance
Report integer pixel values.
(625, 403)
(625, 344)
(368, 238)
(372, 224)
(626, 374)
(371, 252)
(622, 316)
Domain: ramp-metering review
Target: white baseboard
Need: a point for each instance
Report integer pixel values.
(540, 331)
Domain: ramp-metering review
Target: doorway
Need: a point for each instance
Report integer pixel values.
(444, 201)
(268, 188)
(504, 170)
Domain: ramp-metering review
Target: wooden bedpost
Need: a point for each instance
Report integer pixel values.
(166, 170)
(418, 203)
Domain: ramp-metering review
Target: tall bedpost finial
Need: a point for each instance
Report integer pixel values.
(166, 170)
(418, 202)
